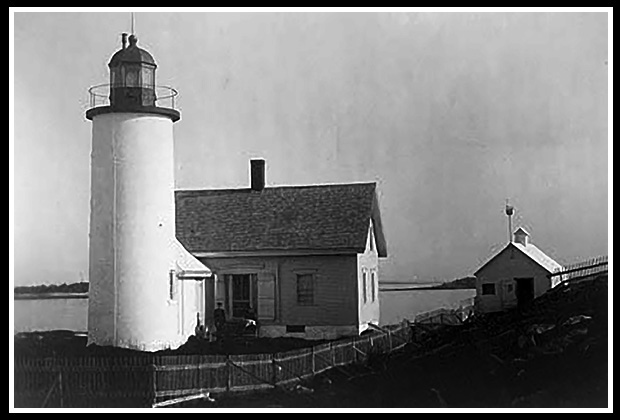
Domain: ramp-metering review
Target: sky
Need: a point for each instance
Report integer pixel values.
(450, 113)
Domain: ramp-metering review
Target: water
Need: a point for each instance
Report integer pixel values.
(50, 314)
(71, 314)
(406, 304)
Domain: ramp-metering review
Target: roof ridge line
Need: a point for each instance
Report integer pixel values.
(374, 183)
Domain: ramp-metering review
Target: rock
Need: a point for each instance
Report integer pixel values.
(541, 328)
(576, 320)
(300, 389)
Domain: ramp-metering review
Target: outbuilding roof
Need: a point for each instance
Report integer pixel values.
(531, 251)
(538, 256)
(333, 217)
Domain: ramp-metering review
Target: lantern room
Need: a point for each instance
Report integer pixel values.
(132, 85)
(132, 76)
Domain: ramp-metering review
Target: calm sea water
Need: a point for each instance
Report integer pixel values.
(71, 314)
(50, 314)
(406, 304)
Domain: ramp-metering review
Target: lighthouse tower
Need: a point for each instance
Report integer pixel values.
(146, 291)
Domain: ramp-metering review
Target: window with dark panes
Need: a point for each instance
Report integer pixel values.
(488, 289)
(373, 286)
(305, 289)
(364, 294)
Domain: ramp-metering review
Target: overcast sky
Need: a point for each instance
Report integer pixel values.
(451, 113)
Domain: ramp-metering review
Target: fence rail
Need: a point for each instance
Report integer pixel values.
(150, 380)
(165, 96)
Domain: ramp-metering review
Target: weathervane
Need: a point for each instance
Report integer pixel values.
(509, 212)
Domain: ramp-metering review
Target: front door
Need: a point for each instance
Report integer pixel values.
(242, 294)
(525, 290)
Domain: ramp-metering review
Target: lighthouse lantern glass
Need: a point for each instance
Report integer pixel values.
(132, 76)
(148, 77)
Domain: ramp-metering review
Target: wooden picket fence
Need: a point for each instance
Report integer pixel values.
(153, 380)
(583, 270)
(448, 316)
(84, 381)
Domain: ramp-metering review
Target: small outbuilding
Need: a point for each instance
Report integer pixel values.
(515, 276)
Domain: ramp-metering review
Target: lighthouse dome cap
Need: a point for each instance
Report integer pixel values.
(131, 54)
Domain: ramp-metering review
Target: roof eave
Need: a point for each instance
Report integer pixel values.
(520, 250)
(492, 259)
(375, 215)
(276, 253)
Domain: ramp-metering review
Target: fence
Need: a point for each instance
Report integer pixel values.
(91, 381)
(582, 270)
(448, 316)
(153, 380)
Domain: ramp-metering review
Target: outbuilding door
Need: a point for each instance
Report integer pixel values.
(525, 290)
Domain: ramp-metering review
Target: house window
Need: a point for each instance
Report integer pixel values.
(373, 288)
(172, 286)
(364, 294)
(488, 289)
(305, 289)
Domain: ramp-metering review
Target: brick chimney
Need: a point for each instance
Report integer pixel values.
(257, 174)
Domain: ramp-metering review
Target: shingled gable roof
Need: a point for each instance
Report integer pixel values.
(314, 218)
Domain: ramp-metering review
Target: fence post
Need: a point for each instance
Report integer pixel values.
(312, 358)
(228, 373)
(154, 378)
(274, 370)
(389, 334)
(62, 399)
(333, 353)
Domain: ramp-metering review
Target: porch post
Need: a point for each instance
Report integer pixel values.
(209, 296)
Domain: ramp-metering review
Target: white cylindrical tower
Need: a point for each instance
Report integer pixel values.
(134, 298)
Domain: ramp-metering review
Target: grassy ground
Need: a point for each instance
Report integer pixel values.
(551, 354)
(68, 344)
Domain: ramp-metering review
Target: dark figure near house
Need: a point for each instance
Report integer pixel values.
(250, 319)
(219, 318)
(200, 331)
(250, 314)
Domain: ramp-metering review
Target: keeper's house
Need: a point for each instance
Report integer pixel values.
(305, 258)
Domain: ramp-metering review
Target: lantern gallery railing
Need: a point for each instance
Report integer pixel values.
(99, 95)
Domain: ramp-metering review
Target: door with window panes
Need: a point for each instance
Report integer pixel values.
(241, 294)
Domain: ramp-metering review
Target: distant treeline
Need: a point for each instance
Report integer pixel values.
(81, 287)
(464, 283)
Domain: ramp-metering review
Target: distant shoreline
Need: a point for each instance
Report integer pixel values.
(404, 289)
(39, 296)
(465, 283)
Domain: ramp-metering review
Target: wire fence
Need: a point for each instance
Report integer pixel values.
(154, 380)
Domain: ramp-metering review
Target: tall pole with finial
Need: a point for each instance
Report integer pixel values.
(509, 212)
(132, 23)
